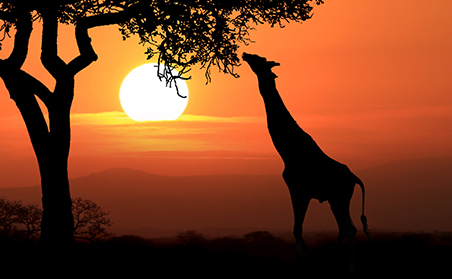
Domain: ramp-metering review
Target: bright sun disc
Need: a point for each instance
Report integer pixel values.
(144, 97)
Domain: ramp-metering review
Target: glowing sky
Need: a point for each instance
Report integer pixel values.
(369, 80)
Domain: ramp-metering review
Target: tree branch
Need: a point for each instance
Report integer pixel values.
(38, 3)
(24, 26)
(87, 53)
(105, 19)
(32, 116)
(49, 50)
(17, 81)
(22, 86)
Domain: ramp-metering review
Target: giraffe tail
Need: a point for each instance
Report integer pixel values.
(363, 217)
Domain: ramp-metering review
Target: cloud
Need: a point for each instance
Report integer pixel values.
(116, 118)
(101, 118)
(216, 119)
(116, 132)
(371, 116)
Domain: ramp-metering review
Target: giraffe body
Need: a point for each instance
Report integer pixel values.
(308, 172)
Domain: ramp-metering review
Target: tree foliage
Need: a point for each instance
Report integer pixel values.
(23, 221)
(184, 33)
(18, 220)
(180, 34)
(90, 221)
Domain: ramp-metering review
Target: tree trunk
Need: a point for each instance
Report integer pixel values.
(57, 224)
(52, 150)
(57, 227)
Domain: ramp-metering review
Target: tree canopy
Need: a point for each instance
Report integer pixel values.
(180, 34)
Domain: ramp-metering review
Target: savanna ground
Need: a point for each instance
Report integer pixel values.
(255, 255)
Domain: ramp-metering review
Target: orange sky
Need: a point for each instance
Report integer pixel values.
(369, 80)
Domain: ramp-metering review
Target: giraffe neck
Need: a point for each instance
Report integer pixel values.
(288, 138)
(274, 105)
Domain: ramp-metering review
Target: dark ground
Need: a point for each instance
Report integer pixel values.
(255, 255)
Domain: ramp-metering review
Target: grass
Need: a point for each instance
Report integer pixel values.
(255, 255)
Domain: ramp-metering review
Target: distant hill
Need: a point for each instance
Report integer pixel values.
(410, 195)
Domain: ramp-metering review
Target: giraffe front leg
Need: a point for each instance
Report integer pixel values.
(300, 207)
(300, 245)
(296, 272)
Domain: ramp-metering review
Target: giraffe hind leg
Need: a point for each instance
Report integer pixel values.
(347, 230)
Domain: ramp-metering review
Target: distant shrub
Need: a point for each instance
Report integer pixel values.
(18, 220)
(191, 237)
(23, 221)
(132, 239)
(90, 220)
(261, 236)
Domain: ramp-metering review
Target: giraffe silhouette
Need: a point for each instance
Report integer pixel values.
(308, 172)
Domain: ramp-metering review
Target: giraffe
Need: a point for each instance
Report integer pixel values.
(308, 172)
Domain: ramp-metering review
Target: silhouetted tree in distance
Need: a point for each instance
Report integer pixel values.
(18, 220)
(180, 34)
(190, 237)
(23, 221)
(90, 220)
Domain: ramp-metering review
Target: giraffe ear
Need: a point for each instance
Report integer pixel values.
(273, 64)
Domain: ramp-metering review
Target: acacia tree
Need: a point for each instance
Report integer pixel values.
(50, 142)
(180, 34)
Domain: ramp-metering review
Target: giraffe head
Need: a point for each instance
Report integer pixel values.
(260, 65)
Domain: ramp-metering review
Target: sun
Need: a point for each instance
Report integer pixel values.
(144, 97)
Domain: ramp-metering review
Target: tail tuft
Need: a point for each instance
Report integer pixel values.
(365, 226)
(363, 217)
